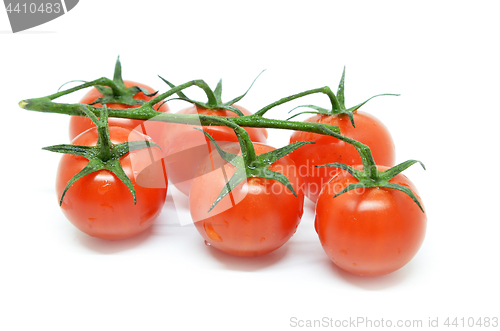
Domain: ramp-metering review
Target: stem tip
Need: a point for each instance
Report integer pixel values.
(22, 104)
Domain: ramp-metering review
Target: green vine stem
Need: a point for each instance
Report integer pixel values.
(246, 145)
(147, 112)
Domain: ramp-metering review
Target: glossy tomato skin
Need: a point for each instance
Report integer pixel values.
(79, 124)
(370, 231)
(99, 204)
(257, 217)
(185, 148)
(369, 131)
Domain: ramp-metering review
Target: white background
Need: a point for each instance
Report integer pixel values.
(442, 57)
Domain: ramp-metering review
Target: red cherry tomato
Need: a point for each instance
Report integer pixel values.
(185, 148)
(79, 124)
(369, 231)
(99, 204)
(258, 216)
(369, 131)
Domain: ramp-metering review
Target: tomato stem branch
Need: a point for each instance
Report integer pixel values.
(247, 148)
(326, 90)
(369, 165)
(103, 81)
(147, 112)
(197, 82)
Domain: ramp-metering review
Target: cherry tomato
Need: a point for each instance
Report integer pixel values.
(79, 124)
(99, 204)
(369, 231)
(185, 148)
(257, 217)
(369, 131)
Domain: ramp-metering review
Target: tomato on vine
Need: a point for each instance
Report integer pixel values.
(370, 222)
(97, 175)
(247, 207)
(357, 125)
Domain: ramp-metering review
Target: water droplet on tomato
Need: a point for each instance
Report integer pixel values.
(207, 243)
(104, 188)
(67, 204)
(107, 205)
(210, 231)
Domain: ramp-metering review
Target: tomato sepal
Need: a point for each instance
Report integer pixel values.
(233, 110)
(71, 81)
(354, 172)
(338, 103)
(239, 176)
(319, 110)
(244, 94)
(372, 178)
(271, 157)
(117, 92)
(214, 97)
(253, 166)
(392, 172)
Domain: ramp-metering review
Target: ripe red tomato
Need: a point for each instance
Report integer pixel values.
(79, 124)
(369, 131)
(258, 216)
(185, 148)
(99, 204)
(369, 231)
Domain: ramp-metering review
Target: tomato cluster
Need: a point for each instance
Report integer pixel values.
(366, 225)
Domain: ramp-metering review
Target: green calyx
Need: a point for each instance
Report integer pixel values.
(248, 164)
(214, 97)
(373, 178)
(338, 104)
(117, 92)
(104, 155)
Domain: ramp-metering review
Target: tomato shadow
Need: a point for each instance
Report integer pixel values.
(374, 283)
(103, 246)
(248, 264)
